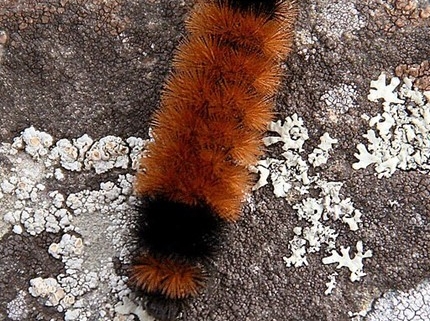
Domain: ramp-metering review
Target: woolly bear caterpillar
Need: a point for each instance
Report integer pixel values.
(214, 110)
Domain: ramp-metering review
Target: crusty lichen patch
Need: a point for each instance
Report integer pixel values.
(402, 306)
(418, 73)
(394, 15)
(107, 15)
(90, 288)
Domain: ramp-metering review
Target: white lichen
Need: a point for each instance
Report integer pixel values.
(89, 288)
(305, 42)
(289, 173)
(402, 306)
(338, 18)
(341, 98)
(137, 146)
(107, 153)
(69, 245)
(35, 143)
(355, 264)
(318, 212)
(298, 250)
(129, 307)
(71, 154)
(381, 90)
(401, 135)
(331, 284)
(292, 133)
(320, 155)
(17, 309)
(47, 288)
(44, 214)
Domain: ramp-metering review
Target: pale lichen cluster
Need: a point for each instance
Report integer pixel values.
(95, 224)
(399, 137)
(341, 98)
(339, 18)
(289, 176)
(403, 306)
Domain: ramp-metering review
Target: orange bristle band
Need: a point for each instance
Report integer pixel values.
(173, 279)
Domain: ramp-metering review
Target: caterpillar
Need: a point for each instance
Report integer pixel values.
(214, 110)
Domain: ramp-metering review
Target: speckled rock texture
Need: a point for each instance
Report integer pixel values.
(75, 67)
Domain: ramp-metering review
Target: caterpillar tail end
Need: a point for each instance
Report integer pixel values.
(164, 309)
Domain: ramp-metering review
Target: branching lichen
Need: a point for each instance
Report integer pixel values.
(401, 135)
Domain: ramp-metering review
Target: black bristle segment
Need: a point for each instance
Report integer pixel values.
(162, 308)
(266, 7)
(175, 229)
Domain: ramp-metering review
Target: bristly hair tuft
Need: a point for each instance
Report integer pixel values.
(162, 308)
(171, 278)
(177, 230)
